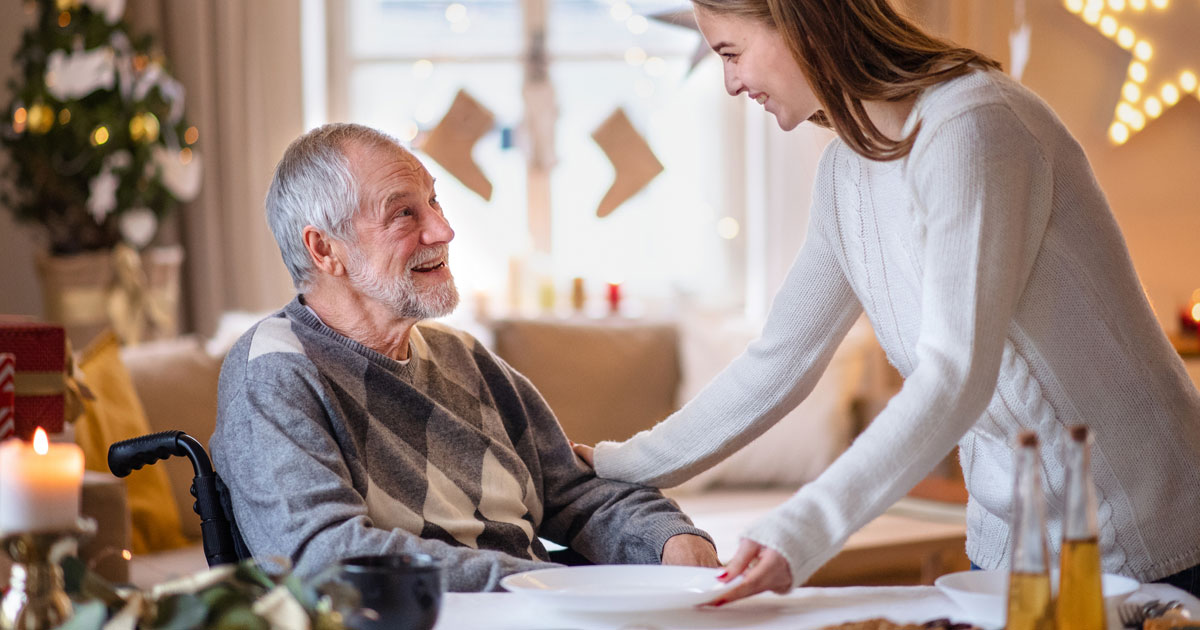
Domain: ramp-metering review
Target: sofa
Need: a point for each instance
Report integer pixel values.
(607, 379)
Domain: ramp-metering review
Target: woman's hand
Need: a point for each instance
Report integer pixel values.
(762, 569)
(585, 452)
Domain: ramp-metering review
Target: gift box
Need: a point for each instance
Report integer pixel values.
(40, 363)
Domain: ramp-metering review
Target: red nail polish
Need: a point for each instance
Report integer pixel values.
(719, 603)
(723, 576)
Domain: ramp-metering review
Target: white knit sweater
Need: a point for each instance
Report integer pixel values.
(999, 285)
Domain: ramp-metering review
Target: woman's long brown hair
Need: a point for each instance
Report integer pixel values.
(853, 51)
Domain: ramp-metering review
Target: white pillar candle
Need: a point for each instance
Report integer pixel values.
(40, 485)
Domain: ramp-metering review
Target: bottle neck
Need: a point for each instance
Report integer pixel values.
(1029, 519)
(1079, 521)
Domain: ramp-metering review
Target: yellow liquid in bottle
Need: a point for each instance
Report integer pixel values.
(1080, 603)
(1029, 604)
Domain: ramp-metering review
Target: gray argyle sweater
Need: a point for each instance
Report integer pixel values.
(331, 449)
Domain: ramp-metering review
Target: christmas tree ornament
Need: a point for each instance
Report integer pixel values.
(112, 10)
(73, 75)
(181, 177)
(143, 128)
(99, 135)
(138, 226)
(64, 116)
(40, 119)
(451, 141)
(633, 162)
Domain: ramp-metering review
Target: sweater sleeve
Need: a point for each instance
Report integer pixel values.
(982, 191)
(293, 493)
(810, 315)
(606, 521)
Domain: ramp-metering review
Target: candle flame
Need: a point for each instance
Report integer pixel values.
(41, 444)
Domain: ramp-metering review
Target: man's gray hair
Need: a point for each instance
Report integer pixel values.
(314, 185)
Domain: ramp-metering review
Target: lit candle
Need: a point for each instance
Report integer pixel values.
(40, 485)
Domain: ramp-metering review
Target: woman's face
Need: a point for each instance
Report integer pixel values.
(757, 61)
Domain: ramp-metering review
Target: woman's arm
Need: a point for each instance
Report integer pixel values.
(811, 313)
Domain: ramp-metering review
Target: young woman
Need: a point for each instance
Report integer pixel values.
(957, 211)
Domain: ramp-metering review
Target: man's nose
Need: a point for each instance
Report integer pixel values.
(436, 229)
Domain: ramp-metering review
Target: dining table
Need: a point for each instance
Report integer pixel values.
(801, 609)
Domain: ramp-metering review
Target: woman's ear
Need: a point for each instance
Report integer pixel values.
(323, 251)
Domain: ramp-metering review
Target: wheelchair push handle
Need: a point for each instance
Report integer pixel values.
(127, 456)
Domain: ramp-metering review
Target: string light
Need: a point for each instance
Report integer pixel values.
(1170, 94)
(637, 24)
(456, 12)
(728, 228)
(64, 116)
(64, 19)
(20, 116)
(1074, 6)
(1125, 37)
(1187, 81)
(1138, 5)
(185, 156)
(635, 56)
(191, 135)
(1137, 71)
(422, 68)
(1143, 51)
(1116, 5)
(1118, 132)
(99, 135)
(620, 11)
(1131, 92)
(1153, 107)
(1108, 25)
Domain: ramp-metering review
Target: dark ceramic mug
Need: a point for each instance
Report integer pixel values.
(399, 592)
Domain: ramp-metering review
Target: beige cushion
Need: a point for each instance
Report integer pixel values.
(176, 381)
(604, 379)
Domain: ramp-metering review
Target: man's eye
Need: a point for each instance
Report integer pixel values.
(433, 201)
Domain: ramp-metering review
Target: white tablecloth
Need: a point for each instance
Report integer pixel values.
(801, 609)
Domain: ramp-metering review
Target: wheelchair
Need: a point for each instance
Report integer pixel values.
(223, 542)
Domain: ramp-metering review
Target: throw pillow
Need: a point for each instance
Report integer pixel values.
(805, 441)
(114, 415)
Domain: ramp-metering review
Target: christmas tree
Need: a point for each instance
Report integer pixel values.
(99, 149)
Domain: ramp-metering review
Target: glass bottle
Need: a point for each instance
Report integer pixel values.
(1030, 606)
(1080, 603)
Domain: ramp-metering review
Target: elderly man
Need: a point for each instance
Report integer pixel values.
(347, 428)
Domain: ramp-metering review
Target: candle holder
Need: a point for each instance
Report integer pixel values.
(36, 599)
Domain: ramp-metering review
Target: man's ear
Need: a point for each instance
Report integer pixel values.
(323, 251)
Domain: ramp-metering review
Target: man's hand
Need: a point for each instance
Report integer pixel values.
(585, 452)
(761, 568)
(690, 550)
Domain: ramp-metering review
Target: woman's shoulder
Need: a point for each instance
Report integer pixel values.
(985, 104)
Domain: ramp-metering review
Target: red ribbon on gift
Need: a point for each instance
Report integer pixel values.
(8, 395)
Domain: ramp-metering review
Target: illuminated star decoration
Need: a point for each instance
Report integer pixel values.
(1162, 36)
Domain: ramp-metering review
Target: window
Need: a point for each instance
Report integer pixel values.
(397, 64)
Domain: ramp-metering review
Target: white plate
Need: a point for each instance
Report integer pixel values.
(984, 594)
(618, 588)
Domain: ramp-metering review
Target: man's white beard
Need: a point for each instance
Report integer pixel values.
(400, 294)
